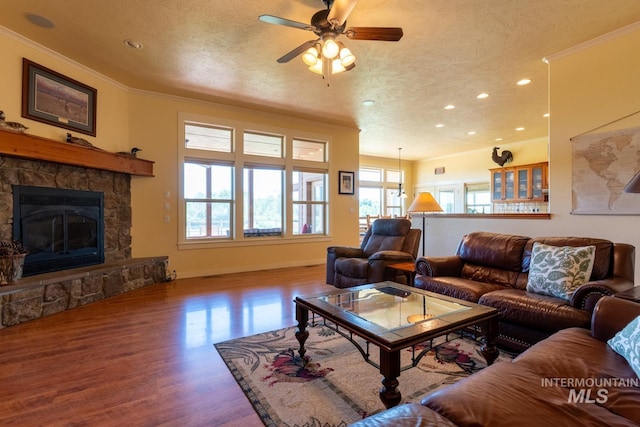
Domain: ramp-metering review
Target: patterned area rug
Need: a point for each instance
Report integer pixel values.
(333, 386)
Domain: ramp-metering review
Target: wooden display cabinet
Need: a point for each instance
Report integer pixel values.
(520, 183)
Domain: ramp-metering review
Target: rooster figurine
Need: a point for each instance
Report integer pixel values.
(503, 158)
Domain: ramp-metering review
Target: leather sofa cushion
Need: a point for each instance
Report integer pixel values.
(589, 358)
(509, 393)
(456, 287)
(502, 251)
(352, 267)
(407, 415)
(602, 261)
(535, 311)
(495, 276)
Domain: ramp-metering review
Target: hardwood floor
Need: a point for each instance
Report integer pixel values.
(146, 358)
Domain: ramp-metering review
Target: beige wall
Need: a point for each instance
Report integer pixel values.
(590, 85)
(128, 118)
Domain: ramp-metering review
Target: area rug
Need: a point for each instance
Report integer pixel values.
(333, 386)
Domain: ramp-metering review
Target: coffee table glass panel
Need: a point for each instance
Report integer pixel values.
(392, 317)
(393, 308)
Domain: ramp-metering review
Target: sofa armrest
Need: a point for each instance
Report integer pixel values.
(611, 315)
(442, 266)
(587, 295)
(391, 256)
(407, 415)
(335, 252)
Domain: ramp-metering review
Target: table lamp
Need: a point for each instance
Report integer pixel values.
(424, 203)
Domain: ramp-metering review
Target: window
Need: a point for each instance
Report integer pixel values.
(208, 199)
(246, 185)
(378, 196)
(447, 200)
(309, 199)
(477, 198)
(262, 196)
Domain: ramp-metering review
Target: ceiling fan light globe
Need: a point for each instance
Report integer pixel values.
(310, 57)
(346, 57)
(330, 48)
(337, 67)
(317, 67)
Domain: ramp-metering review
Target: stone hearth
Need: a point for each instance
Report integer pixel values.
(33, 161)
(45, 294)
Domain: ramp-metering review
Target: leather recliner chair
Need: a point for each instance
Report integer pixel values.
(387, 241)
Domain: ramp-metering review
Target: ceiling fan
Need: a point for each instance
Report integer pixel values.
(328, 24)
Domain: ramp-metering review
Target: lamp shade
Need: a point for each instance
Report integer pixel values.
(633, 186)
(424, 202)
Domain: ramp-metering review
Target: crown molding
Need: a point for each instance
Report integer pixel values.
(593, 42)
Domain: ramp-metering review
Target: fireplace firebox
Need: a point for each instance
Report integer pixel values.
(61, 228)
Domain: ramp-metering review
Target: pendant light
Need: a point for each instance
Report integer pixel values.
(401, 193)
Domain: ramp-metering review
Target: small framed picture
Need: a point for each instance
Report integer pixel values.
(49, 97)
(346, 184)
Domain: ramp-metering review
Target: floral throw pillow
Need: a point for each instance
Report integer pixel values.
(627, 344)
(558, 270)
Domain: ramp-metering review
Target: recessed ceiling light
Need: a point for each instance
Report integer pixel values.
(524, 82)
(449, 107)
(439, 125)
(483, 96)
(133, 44)
(498, 139)
(39, 20)
(519, 129)
(368, 102)
(545, 115)
(473, 132)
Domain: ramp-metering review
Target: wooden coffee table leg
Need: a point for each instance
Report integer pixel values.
(302, 316)
(390, 370)
(488, 349)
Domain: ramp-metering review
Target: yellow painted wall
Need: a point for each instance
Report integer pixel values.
(128, 118)
(590, 85)
(112, 100)
(154, 128)
(473, 166)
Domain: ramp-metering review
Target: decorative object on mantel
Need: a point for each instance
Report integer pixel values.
(12, 126)
(79, 141)
(12, 255)
(132, 153)
(52, 98)
(501, 159)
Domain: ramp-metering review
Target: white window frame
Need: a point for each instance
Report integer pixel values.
(238, 160)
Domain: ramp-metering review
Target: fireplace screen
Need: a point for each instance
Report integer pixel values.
(61, 228)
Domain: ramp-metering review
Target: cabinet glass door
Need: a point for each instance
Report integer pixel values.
(497, 186)
(523, 183)
(536, 182)
(509, 191)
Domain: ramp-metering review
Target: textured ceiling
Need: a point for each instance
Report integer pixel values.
(451, 51)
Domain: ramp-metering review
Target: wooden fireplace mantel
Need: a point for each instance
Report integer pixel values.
(33, 147)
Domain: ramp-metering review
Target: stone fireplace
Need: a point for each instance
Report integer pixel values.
(90, 191)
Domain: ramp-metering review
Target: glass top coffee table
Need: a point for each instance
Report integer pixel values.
(393, 317)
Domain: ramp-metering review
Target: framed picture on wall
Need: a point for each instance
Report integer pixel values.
(52, 98)
(346, 184)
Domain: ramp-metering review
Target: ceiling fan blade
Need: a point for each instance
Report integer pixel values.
(270, 19)
(340, 11)
(390, 34)
(297, 51)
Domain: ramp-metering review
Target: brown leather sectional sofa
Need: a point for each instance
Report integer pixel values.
(572, 378)
(492, 269)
